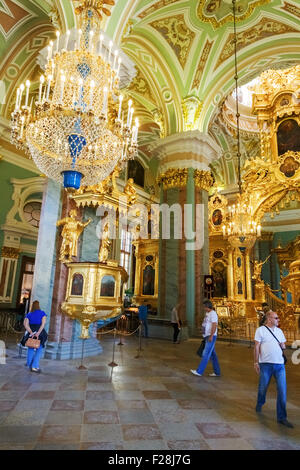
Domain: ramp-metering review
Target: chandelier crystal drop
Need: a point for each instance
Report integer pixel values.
(78, 127)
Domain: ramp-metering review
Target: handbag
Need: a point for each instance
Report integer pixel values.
(201, 348)
(33, 343)
(283, 355)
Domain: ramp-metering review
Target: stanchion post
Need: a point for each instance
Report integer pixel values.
(82, 367)
(250, 342)
(140, 342)
(113, 363)
(230, 325)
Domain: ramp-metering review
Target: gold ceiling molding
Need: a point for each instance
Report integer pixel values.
(173, 178)
(295, 11)
(208, 11)
(141, 86)
(265, 28)
(202, 62)
(272, 81)
(203, 179)
(155, 7)
(177, 34)
(10, 252)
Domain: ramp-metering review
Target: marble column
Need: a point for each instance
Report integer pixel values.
(45, 258)
(64, 342)
(185, 179)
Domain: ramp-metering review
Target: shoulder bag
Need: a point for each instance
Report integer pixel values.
(283, 355)
(33, 343)
(201, 348)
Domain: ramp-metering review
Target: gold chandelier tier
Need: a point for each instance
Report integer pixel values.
(241, 229)
(77, 128)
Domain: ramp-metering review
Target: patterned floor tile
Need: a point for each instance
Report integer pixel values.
(216, 430)
(101, 417)
(140, 432)
(58, 433)
(74, 405)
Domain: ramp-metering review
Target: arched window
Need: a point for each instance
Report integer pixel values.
(137, 172)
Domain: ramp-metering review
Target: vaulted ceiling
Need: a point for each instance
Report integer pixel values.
(183, 51)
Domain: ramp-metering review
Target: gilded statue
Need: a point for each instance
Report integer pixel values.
(257, 267)
(130, 191)
(105, 245)
(70, 233)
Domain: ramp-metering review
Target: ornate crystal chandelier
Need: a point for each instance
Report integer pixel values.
(77, 129)
(240, 228)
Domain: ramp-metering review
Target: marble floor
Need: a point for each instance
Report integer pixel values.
(150, 402)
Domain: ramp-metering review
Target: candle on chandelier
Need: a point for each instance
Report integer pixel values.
(57, 41)
(259, 230)
(63, 79)
(48, 88)
(27, 92)
(137, 124)
(91, 45)
(99, 52)
(105, 95)
(120, 106)
(115, 59)
(22, 88)
(92, 86)
(17, 99)
(78, 39)
(109, 51)
(67, 40)
(119, 65)
(42, 80)
(130, 118)
(128, 115)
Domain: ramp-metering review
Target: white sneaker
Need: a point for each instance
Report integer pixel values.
(195, 373)
(213, 375)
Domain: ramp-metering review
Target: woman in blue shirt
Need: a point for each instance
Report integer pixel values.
(34, 325)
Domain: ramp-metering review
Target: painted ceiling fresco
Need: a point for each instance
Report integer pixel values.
(183, 51)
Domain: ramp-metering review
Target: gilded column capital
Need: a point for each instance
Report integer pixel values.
(10, 252)
(203, 179)
(173, 178)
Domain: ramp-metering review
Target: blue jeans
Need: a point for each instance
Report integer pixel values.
(209, 353)
(266, 371)
(33, 357)
(145, 324)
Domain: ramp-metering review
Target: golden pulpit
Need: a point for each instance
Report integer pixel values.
(94, 292)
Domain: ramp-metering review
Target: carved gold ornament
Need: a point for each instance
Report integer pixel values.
(10, 252)
(173, 178)
(203, 179)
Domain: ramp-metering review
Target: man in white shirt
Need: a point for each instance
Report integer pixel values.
(210, 335)
(268, 361)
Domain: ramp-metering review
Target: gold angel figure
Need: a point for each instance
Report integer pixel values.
(257, 267)
(70, 233)
(105, 245)
(130, 191)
